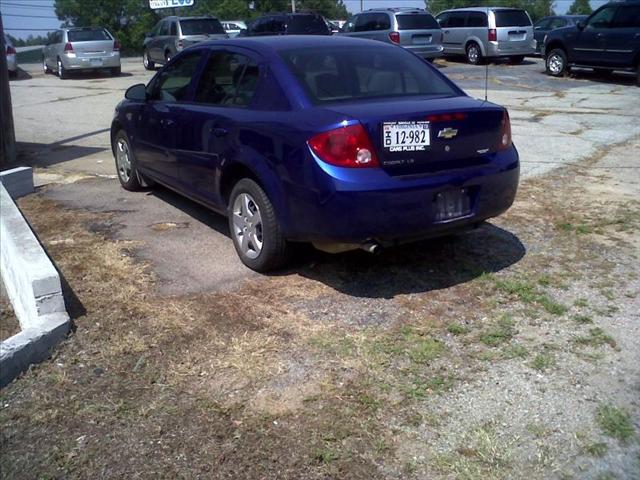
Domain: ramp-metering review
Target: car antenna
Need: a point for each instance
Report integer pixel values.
(486, 68)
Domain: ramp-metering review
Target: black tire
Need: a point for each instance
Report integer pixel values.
(167, 57)
(516, 59)
(556, 63)
(132, 181)
(45, 68)
(638, 74)
(115, 72)
(62, 72)
(474, 54)
(147, 62)
(274, 252)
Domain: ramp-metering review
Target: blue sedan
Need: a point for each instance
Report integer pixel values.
(341, 142)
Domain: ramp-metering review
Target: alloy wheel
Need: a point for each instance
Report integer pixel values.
(555, 63)
(123, 160)
(247, 225)
(473, 54)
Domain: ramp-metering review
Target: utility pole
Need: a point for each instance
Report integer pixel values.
(7, 133)
(362, 5)
(293, 6)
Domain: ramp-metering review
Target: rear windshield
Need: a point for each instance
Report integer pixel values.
(88, 35)
(306, 24)
(363, 72)
(201, 26)
(417, 22)
(512, 18)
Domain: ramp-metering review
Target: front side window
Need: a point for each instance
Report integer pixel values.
(627, 16)
(443, 19)
(558, 23)
(339, 75)
(228, 79)
(457, 20)
(349, 24)
(172, 84)
(602, 18)
(364, 22)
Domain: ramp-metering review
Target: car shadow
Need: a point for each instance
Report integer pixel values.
(614, 78)
(93, 75)
(412, 268)
(20, 75)
(461, 60)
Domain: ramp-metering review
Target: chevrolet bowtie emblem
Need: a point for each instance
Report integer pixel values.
(447, 133)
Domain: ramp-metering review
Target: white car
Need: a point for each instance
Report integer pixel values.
(12, 62)
(233, 27)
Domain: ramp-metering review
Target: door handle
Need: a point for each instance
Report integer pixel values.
(167, 122)
(219, 132)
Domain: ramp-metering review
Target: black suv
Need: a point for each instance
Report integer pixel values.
(608, 40)
(288, 24)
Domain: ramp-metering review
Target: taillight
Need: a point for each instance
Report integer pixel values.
(504, 141)
(447, 117)
(394, 37)
(11, 50)
(116, 46)
(68, 48)
(493, 35)
(345, 147)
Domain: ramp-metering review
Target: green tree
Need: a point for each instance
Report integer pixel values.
(536, 8)
(580, 7)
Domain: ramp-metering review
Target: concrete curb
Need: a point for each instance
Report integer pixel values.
(18, 181)
(33, 286)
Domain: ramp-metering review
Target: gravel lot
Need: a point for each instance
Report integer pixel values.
(509, 352)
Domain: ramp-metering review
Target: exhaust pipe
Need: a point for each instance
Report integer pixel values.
(371, 247)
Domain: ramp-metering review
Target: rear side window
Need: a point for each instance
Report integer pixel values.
(228, 79)
(421, 21)
(88, 35)
(557, 23)
(174, 29)
(306, 25)
(172, 84)
(512, 18)
(457, 19)
(477, 19)
(363, 72)
(370, 22)
(627, 16)
(201, 26)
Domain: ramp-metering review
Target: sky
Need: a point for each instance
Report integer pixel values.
(20, 16)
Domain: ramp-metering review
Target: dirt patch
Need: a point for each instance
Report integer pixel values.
(508, 352)
(9, 324)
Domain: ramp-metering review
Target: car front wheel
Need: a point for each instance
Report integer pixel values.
(556, 62)
(254, 228)
(146, 61)
(125, 162)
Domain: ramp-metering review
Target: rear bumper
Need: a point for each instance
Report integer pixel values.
(91, 63)
(363, 206)
(507, 49)
(426, 51)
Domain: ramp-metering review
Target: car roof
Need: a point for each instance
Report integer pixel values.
(269, 44)
(481, 9)
(197, 17)
(396, 10)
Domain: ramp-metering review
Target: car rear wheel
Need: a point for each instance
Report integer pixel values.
(125, 162)
(146, 61)
(254, 228)
(516, 59)
(556, 62)
(474, 54)
(62, 72)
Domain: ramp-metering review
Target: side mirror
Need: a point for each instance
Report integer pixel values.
(136, 92)
(581, 24)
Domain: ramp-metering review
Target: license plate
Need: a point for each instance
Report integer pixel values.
(421, 39)
(405, 136)
(452, 204)
(96, 62)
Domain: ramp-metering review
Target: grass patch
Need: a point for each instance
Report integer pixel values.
(500, 333)
(457, 329)
(581, 302)
(615, 422)
(528, 293)
(583, 319)
(515, 350)
(551, 306)
(598, 449)
(543, 361)
(596, 338)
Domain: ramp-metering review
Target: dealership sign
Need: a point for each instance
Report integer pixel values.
(155, 4)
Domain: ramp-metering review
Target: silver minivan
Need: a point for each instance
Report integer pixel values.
(480, 33)
(173, 34)
(89, 48)
(412, 28)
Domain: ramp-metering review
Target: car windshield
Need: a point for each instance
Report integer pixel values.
(512, 18)
(363, 72)
(306, 24)
(416, 22)
(201, 26)
(88, 35)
